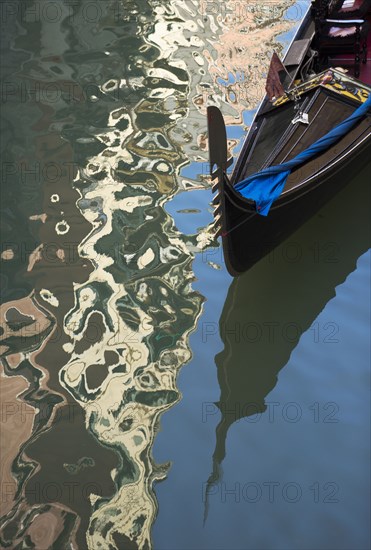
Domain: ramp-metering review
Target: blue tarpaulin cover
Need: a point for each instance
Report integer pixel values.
(266, 186)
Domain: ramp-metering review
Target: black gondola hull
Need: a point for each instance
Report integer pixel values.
(247, 236)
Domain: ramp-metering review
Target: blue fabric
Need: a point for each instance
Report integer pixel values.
(266, 186)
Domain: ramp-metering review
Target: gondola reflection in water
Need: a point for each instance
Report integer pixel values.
(280, 299)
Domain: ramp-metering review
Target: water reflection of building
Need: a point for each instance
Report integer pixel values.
(104, 290)
(101, 375)
(269, 307)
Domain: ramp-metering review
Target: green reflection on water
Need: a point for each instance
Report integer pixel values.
(103, 101)
(102, 111)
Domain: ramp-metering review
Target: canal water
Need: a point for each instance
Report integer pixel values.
(148, 399)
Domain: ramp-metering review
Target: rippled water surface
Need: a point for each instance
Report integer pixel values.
(129, 355)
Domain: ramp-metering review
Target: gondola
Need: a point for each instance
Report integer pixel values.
(317, 108)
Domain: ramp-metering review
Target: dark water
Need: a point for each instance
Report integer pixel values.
(112, 281)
